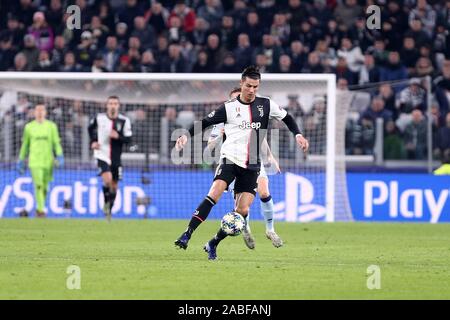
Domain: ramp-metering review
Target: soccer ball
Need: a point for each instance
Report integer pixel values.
(232, 223)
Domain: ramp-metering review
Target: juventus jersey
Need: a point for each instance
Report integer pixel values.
(99, 130)
(245, 127)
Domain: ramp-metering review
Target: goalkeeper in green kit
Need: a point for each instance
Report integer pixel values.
(40, 143)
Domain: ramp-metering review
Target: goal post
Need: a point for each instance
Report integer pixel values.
(311, 187)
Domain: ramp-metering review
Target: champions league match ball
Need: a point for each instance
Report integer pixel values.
(232, 223)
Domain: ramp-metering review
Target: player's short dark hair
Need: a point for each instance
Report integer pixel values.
(234, 90)
(113, 97)
(251, 72)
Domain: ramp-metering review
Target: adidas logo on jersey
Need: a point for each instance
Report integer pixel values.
(250, 125)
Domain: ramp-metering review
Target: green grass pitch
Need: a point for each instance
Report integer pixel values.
(136, 259)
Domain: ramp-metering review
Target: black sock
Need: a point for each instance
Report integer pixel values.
(106, 194)
(200, 214)
(220, 235)
(112, 196)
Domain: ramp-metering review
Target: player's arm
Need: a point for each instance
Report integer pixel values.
(276, 112)
(25, 148)
(57, 148)
(125, 134)
(93, 133)
(215, 137)
(215, 117)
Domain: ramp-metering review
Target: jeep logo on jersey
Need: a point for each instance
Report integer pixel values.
(250, 125)
(261, 110)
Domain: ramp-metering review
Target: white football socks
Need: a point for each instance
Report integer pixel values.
(267, 212)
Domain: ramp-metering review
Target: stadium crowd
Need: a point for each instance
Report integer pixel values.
(386, 67)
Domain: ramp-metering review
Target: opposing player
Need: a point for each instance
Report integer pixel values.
(246, 119)
(40, 142)
(267, 207)
(108, 132)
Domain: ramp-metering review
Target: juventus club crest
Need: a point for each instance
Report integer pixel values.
(238, 111)
(261, 110)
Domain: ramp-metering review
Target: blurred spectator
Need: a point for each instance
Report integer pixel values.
(44, 63)
(313, 65)
(111, 54)
(342, 71)
(202, 64)
(253, 28)
(20, 63)
(30, 51)
(442, 84)
(361, 36)
(212, 12)
(280, 29)
(7, 53)
(239, 14)
(86, 50)
(369, 71)
(227, 33)
(122, 35)
(298, 55)
(426, 15)
(99, 64)
(415, 136)
(319, 14)
(424, 67)
(393, 144)
(175, 61)
(262, 63)
(388, 95)
(412, 97)
(157, 17)
(416, 31)
(25, 11)
(186, 14)
(347, 12)
(170, 115)
(352, 54)
(409, 53)
(443, 136)
(185, 117)
(284, 65)
(243, 52)
(379, 52)
(14, 30)
(99, 31)
(394, 69)
(148, 62)
(106, 15)
(377, 110)
(70, 64)
(129, 12)
(42, 33)
(140, 127)
(229, 64)
(216, 53)
(59, 51)
(315, 126)
(200, 32)
(297, 14)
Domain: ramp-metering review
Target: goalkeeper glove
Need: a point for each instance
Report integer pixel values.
(20, 166)
(60, 161)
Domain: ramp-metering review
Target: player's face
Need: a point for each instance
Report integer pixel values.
(249, 87)
(40, 112)
(112, 108)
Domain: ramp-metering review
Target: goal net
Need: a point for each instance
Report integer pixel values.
(159, 182)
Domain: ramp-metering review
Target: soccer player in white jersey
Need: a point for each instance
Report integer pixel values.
(246, 119)
(108, 132)
(267, 210)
